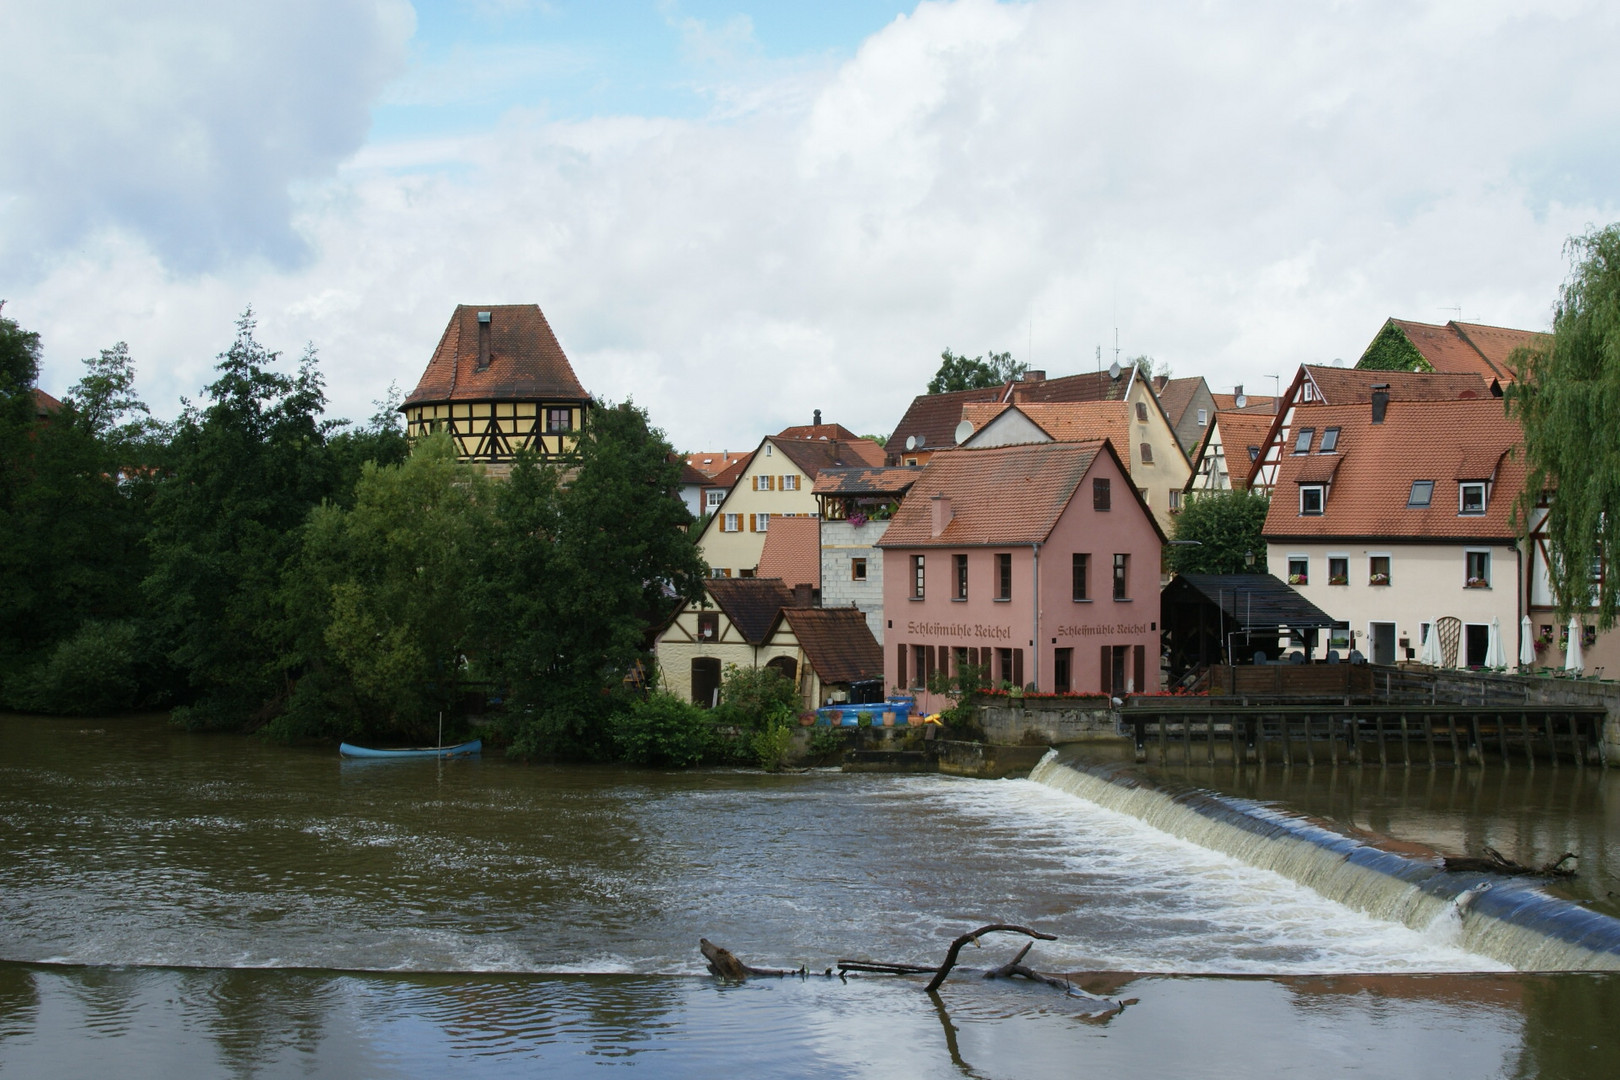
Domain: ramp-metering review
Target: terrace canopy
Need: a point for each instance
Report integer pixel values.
(1233, 618)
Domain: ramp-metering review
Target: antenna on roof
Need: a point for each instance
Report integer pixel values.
(1458, 310)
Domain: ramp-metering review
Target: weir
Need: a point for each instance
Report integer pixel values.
(1508, 919)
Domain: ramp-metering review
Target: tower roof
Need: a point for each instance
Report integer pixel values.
(518, 360)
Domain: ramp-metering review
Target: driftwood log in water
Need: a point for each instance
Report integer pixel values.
(1496, 863)
(724, 963)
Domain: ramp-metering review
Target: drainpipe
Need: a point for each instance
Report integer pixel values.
(1520, 598)
(1035, 621)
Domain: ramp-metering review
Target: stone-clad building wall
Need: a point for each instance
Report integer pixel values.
(841, 544)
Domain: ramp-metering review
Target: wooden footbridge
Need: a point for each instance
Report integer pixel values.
(1362, 714)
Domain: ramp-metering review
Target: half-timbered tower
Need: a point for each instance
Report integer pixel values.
(498, 382)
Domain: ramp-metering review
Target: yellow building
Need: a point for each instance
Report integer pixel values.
(499, 382)
(777, 483)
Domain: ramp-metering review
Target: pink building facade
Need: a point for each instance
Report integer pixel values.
(1039, 563)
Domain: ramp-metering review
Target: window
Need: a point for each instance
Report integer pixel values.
(1203, 417)
(1081, 573)
(857, 569)
(1338, 570)
(1299, 570)
(1471, 498)
(1141, 411)
(762, 482)
(1330, 440)
(1062, 670)
(708, 625)
(731, 523)
(1147, 453)
(1004, 576)
(920, 657)
(749, 572)
(1122, 577)
(719, 571)
(961, 576)
(1254, 452)
(917, 578)
(1175, 501)
(762, 522)
(1100, 494)
(714, 497)
(559, 420)
(1378, 570)
(790, 483)
(1478, 569)
(1302, 445)
(1422, 493)
(1339, 636)
(1143, 492)
(1310, 498)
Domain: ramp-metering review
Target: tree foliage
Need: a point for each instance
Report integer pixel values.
(1566, 396)
(1223, 527)
(974, 373)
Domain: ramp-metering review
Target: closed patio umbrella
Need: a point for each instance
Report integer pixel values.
(1493, 646)
(1527, 644)
(1431, 646)
(1573, 660)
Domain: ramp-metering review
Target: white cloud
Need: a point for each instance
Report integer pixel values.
(1238, 188)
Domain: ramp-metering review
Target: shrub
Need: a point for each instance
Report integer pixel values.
(751, 697)
(661, 729)
(94, 671)
(771, 744)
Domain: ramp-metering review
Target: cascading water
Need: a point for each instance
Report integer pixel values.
(1504, 918)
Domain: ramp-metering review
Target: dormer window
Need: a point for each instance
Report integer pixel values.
(1311, 498)
(1471, 497)
(1302, 445)
(1422, 493)
(1330, 440)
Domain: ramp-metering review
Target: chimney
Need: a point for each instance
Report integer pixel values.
(942, 512)
(1160, 382)
(817, 420)
(804, 595)
(1033, 376)
(483, 340)
(1380, 401)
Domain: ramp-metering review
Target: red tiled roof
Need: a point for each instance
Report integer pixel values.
(1239, 431)
(690, 475)
(727, 477)
(932, 418)
(811, 456)
(525, 361)
(1228, 403)
(44, 404)
(1176, 396)
(817, 431)
(1496, 343)
(1445, 349)
(998, 495)
(1090, 386)
(837, 642)
(1442, 441)
(715, 462)
(750, 603)
(1346, 386)
(862, 480)
(792, 551)
(1077, 422)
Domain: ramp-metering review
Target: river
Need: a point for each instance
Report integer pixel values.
(211, 905)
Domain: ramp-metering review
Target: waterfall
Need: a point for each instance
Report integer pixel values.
(1508, 919)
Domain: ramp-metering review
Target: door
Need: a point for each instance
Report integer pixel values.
(1382, 637)
(1477, 643)
(705, 680)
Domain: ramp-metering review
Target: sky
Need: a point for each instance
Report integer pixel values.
(736, 213)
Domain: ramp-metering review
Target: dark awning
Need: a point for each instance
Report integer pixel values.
(1252, 601)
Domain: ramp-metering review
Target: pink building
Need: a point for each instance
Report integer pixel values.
(1039, 562)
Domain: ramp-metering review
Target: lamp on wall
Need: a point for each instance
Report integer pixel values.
(1248, 559)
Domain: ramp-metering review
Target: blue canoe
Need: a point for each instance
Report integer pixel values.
(466, 749)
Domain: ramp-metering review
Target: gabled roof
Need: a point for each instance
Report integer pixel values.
(811, 456)
(998, 494)
(837, 642)
(1251, 601)
(1346, 386)
(1089, 386)
(932, 418)
(1177, 395)
(1079, 422)
(1497, 343)
(727, 477)
(818, 431)
(792, 551)
(1459, 347)
(44, 404)
(692, 476)
(1442, 441)
(1239, 432)
(525, 361)
(750, 603)
(865, 480)
(1252, 403)
(715, 462)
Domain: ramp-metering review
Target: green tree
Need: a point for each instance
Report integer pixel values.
(974, 373)
(1566, 395)
(1148, 368)
(582, 572)
(245, 470)
(1223, 527)
(385, 593)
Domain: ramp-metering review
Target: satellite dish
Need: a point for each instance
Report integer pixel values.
(911, 442)
(963, 431)
(1241, 400)
(1113, 370)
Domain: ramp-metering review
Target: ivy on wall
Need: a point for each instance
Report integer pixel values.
(1391, 350)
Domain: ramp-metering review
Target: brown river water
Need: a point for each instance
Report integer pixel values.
(184, 905)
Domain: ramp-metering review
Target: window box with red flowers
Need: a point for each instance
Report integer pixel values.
(1299, 579)
(1378, 579)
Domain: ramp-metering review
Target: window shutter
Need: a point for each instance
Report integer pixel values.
(1140, 660)
(1018, 667)
(1107, 669)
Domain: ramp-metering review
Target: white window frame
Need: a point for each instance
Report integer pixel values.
(1487, 579)
(1463, 487)
(1288, 566)
(1321, 500)
(1345, 555)
(731, 523)
(713, 498)
(762, 522)
(1371, 555)
(790, 482)
(1203, 417)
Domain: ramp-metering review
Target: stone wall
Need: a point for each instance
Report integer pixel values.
(1048, 721)
(842, 542)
